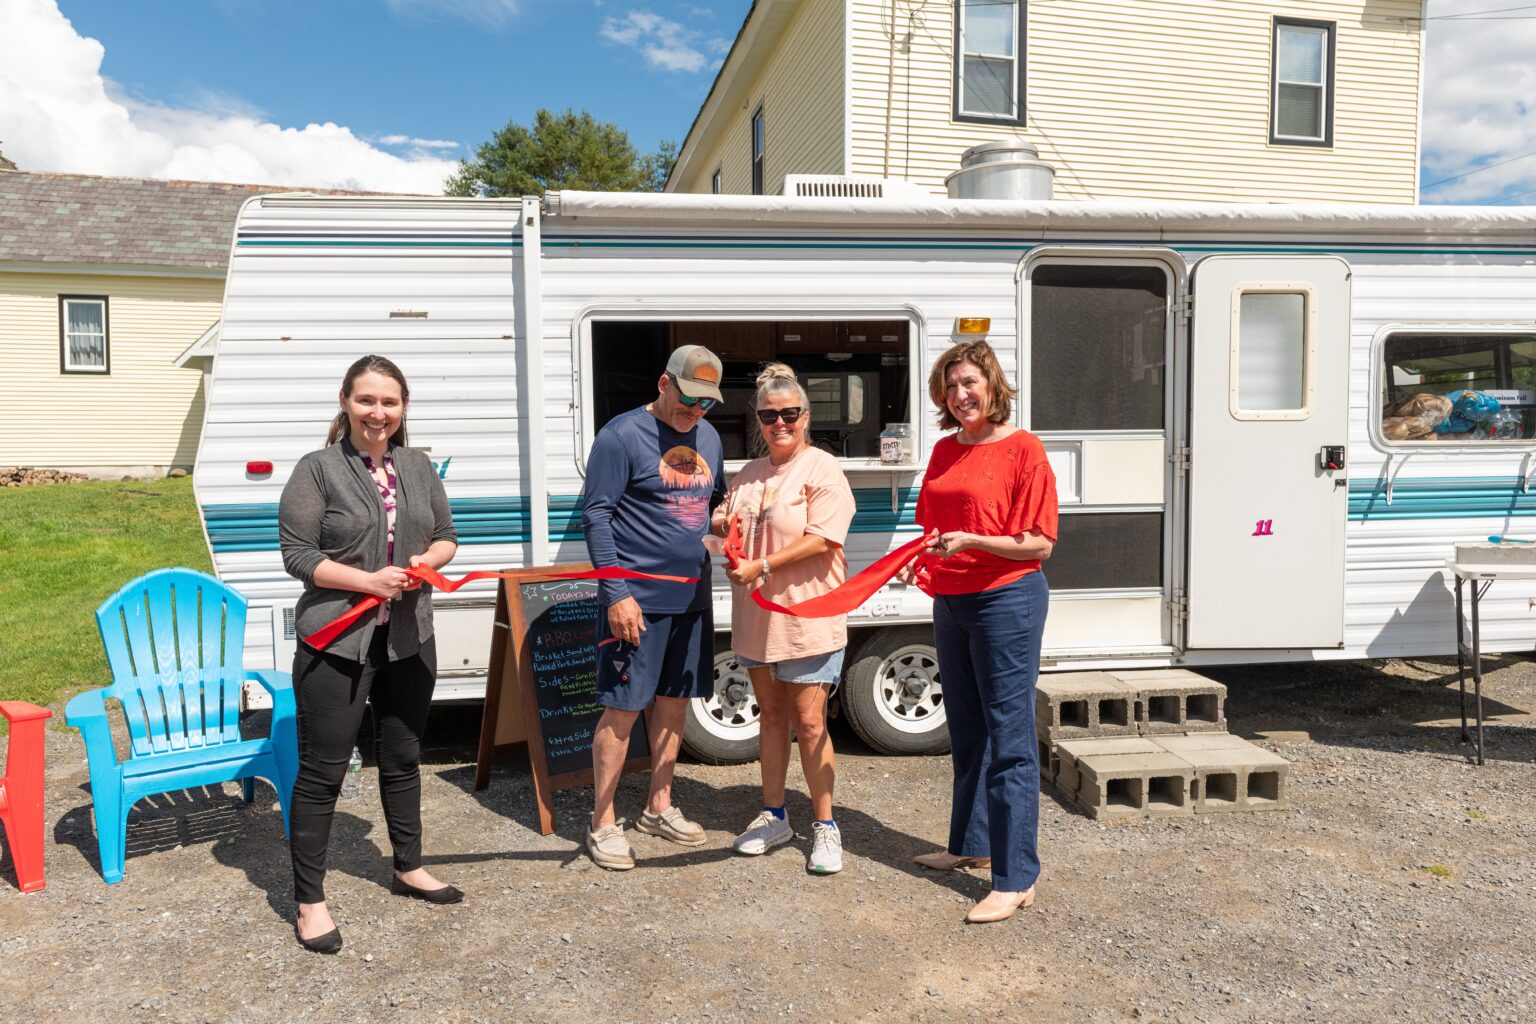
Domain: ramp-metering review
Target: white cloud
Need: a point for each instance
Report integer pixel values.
(487, 13)
(664, 43)
(412, 143)
(1480, 103)
(59, 113)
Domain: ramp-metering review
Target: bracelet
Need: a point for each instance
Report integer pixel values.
(767, 569)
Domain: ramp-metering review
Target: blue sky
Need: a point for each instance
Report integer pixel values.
(389, 94)
(451, 71)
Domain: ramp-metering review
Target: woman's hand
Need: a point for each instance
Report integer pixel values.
(951, 543)
(749, 571)
(387, 582)
(415, 584)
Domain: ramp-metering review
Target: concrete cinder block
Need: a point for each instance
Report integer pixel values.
(1078, 705)
(1048, 761)
(1231, 774)
(1068, 752)
(1134, 785)
(1176, 700)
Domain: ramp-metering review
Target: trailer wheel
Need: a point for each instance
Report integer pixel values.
(892, 695)
(722, 728)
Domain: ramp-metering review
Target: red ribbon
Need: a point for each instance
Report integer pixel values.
(322, 637)
(849, 595)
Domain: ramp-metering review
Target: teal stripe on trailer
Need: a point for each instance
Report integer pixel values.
(505, 520)
(1489, 497)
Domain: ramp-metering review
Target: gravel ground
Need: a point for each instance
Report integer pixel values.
(1401, 886)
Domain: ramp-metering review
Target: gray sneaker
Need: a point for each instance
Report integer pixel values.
(609, 848)
(826, 850)
(766, 831)
(670, 824)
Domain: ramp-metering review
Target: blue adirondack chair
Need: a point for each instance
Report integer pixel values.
(174, 640)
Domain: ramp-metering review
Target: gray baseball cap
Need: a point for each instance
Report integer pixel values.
(697, 371)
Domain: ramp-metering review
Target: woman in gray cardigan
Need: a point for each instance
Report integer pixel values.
(353, 515)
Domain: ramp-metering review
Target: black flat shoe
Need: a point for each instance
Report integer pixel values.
(330, 942)
(447, 894)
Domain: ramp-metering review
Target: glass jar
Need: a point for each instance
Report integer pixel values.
(896, 444)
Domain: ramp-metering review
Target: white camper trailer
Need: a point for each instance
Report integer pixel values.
(1225, 392)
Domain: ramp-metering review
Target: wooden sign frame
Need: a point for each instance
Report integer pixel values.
(509, 639)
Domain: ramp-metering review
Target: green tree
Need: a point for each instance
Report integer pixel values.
(560, 151)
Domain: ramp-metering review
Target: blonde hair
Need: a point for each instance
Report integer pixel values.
(980, 355)
(778, 379)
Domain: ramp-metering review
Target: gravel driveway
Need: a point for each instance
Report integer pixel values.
(1401, 887)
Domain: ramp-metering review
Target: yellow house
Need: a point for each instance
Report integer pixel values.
(110, 290)
(1236, 100)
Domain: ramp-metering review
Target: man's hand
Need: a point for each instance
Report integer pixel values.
(625, 621)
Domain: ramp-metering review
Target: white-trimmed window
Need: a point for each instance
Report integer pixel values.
(1449, 386)
(1301, 80)
(83, 334)
(1274, 352)
(989, 61)
(757, 150)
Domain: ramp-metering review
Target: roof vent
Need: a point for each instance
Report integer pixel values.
(1009, 169)
(848, 186)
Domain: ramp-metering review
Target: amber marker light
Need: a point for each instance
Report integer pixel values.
(973, 324)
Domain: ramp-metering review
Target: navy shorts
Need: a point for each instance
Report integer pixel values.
(675, 658)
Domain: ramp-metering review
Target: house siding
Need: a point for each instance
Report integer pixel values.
(1116, 117)
(800, 87)
(145, 413)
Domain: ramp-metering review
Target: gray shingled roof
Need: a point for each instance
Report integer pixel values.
(78, 218)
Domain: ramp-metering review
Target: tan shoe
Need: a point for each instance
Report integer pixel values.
(609, 849)
(943, 860)
(1000, 906)
(670, 824)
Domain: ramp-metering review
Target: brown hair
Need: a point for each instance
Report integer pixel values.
(980, 355)
(340, 427)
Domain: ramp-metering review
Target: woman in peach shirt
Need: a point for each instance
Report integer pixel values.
(794, 507)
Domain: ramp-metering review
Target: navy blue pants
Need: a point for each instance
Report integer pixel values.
(989, 656)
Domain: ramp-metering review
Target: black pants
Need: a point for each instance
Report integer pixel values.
(331, 693)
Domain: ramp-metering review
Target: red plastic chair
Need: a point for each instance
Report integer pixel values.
(21, 791)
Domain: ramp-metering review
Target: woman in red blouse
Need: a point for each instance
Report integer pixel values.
(988, 506)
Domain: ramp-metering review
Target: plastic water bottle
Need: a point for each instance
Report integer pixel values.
(354, 773)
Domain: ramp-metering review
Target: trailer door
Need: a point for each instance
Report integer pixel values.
(1268, 500)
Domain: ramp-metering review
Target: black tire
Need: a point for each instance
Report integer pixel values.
(891, 693)
(723, 729)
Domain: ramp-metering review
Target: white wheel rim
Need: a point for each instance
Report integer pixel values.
(731, 711)
(908, 694)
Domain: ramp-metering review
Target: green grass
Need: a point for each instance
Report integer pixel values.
(65, 548)
(1437, 870)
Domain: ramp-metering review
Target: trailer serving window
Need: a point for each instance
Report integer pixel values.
(857, 373)
(1458, 387)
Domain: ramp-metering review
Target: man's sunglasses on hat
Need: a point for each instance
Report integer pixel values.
(704, 404)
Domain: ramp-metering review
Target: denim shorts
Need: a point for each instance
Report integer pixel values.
(675, 658)
(823, 669)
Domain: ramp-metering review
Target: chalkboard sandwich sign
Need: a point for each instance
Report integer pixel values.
(545, 647)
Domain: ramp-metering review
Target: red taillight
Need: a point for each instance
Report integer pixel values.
(258, 468)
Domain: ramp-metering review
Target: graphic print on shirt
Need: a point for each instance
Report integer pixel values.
(684, 469)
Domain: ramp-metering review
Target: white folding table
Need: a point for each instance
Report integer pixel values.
(1477, 578)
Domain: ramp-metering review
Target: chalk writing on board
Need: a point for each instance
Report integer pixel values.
(562, 634)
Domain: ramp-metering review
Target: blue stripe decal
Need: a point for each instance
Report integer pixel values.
(556, 241)
(505, 520)
(1441, 498)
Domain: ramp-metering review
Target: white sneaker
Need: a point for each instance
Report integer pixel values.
(766, 831)
(826, 850)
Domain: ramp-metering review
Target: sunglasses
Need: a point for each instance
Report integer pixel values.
(789, 416)
(704, 404)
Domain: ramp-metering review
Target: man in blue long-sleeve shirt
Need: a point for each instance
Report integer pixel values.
(653, 477)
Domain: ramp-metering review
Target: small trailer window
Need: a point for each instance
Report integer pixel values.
(1274, 341)
(1458, 387)
(857, 374)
